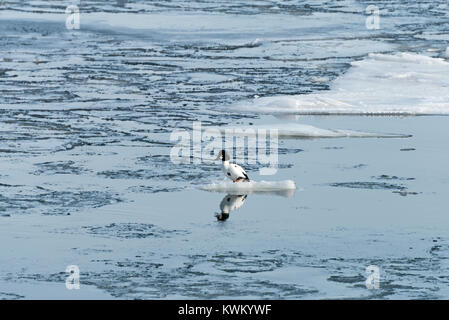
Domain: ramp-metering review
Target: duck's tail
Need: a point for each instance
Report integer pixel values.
(245, 179)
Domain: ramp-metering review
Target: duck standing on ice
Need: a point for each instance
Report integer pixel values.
(231, 170)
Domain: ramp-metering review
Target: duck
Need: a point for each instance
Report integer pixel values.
(231, 170)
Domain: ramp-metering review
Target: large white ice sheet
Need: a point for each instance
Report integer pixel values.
(380, 84)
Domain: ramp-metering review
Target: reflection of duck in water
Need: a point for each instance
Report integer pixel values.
(232, 171)
(230, 203)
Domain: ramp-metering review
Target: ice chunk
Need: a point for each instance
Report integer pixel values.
(380, 84)
(285, 187)
(297, 130)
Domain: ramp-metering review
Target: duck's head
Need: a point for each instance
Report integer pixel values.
(223, 156)
(222, 216)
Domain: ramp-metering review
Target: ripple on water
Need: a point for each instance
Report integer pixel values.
(368, 185)
(131, 231)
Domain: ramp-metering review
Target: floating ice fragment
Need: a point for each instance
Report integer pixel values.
(285, 187)
(380, 84)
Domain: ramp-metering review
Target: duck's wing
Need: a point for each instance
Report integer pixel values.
(238, 171)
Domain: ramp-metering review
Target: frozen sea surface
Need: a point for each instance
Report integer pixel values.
(381, 84)
(85, 171)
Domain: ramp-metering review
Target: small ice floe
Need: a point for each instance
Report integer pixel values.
(285, 187)
(319, 79)
(257, 42)
(447, 53)
(297, 130)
